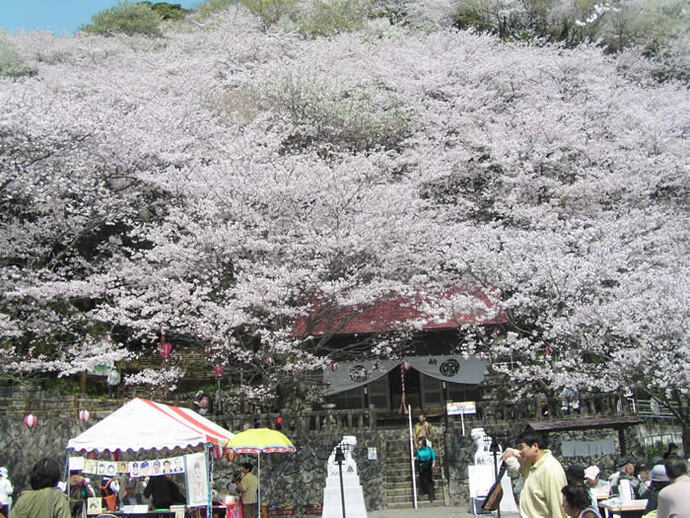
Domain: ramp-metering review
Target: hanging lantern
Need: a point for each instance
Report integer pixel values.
(218, 370)
(83, 415)
(231, 455)
(217, 452)
(334, 367)
(207, 350)
(549, 351)
(30, 421)
(164, 350)
(406, 365)
(269, 360)
(92, 455)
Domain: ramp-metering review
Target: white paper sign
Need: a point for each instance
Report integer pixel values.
(196, 479)
(461, 407)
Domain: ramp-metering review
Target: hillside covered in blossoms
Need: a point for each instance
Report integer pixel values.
(237, 172)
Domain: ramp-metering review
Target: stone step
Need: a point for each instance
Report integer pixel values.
(407, 477)
(405, 463)
(406, 491)
(422, 502)
(402, 463)
(402, 448)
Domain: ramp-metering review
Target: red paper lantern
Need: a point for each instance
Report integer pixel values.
(30, 421)
(217, 452)
(406, 365)
(231, 455)
(83, 415)
(334, 367)
(269, 360)
(164, 350)
(218, 370)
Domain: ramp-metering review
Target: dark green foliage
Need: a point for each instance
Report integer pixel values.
(168, 11)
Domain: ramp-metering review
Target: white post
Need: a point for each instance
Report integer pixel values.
(414, 479)
(209, 474)
(462, 420)
(258, 468)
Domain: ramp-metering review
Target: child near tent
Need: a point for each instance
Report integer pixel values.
(109, 489)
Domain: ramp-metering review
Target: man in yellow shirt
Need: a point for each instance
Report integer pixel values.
(248, 489)
(544, 476)
(423, 428)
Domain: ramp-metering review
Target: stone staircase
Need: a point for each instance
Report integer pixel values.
(398, 477)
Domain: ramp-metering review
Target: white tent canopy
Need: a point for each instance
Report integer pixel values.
(146, 425)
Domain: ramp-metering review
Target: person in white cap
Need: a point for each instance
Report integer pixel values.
(5, 492)
(659, 480)
(597, 487)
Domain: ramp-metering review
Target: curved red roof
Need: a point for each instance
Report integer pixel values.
(388, 314)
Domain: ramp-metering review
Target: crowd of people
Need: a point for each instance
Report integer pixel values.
(49, 498)
(550, 491)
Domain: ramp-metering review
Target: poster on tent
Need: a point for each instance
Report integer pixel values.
(196, 479)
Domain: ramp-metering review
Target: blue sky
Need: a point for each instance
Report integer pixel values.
(58, 16)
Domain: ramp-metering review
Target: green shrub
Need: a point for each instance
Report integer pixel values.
(11, 65)
(270, 11)
(213, 6)
(171, 12)
(330, 17)
(126, 18)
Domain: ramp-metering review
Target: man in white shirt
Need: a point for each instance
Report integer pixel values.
(674, 499)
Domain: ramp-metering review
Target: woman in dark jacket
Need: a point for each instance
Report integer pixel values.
(659, 480)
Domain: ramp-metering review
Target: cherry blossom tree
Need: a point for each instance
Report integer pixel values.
(212, 182)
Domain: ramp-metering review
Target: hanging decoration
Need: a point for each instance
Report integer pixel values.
(403, 398)
(217, 451)
(231, 455)
(269, 360)
(30, 421)
(83, 415)
(218, 370)
(164, 348)
(334, 367)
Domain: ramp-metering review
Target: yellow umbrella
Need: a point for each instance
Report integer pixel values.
(258, 441)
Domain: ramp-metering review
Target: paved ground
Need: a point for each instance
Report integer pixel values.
(435, 512)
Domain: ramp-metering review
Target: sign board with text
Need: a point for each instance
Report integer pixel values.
(461, 407)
